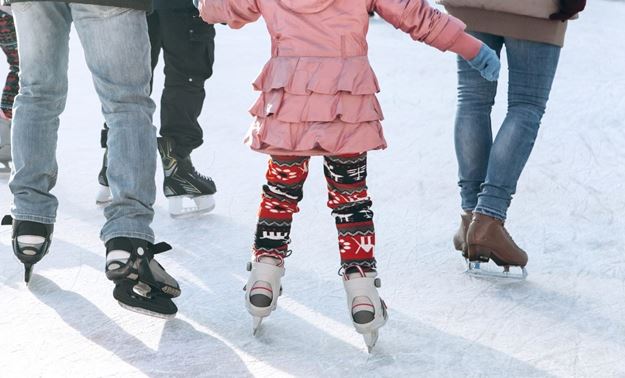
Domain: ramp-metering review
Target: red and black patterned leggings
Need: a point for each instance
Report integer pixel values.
(347, 198)
(8, 43)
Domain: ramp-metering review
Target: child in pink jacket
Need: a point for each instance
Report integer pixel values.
(317, 97)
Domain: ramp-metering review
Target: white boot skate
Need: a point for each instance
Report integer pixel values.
(5, 145)
(263, 287)
(367, 309)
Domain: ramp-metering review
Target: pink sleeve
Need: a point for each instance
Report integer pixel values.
(236, 13)
(421, 21)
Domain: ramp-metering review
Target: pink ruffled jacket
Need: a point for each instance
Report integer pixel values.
(318, 89)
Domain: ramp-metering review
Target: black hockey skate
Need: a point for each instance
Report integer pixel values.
(104, 196)
(182, 182)
(141, 283)
(31, 242)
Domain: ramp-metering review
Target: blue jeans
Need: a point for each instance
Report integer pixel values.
(117, 50)
(489, 170)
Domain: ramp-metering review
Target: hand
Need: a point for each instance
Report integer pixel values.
(487, 63)
(568, 9)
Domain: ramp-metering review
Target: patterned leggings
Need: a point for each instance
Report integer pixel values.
(8, 43)
(347, 198)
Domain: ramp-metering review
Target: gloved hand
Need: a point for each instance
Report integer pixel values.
(487, 62)
(568, 9)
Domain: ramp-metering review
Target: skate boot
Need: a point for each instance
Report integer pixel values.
(367, 309)
(31, 242)
(487, 239)
(263, 287)
(182, 182)
(141, 283)
(5, 145)
(460, 238)
(104, 194)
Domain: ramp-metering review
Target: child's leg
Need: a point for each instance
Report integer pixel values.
(8, 42)
(281, 194)
(351, 207)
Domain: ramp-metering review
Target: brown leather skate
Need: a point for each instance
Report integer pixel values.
(488, 239)
(460, 238)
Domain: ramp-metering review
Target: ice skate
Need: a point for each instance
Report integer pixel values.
(104, 196)
(141, 283)
(487, 240)
(31, 242)
(367, 309)
(5, 145)
(460, 238)
(188, 192)
(263, 288)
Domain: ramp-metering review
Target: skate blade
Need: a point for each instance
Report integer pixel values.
(143, 311)
(104, 196)
(200, 205)
(5, 167)
(256, 322)
(476, 269)
(371, 339)
(28, 273)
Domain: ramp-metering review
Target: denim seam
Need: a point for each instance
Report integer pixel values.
(34, 218)
(481, 209)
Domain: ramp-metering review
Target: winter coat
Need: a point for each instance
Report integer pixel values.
(318, 89)
(132, 4)
(521, 19)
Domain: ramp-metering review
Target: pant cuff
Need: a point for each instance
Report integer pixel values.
(490, 212)
(34, 218)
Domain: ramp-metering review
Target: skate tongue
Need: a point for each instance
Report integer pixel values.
(269, 260)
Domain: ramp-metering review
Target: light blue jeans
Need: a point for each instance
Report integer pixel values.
(117, 51)
(489, 170)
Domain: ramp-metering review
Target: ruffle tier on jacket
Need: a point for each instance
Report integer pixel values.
(316, 106)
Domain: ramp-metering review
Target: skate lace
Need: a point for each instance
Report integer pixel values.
(276, 255)
(359, 266)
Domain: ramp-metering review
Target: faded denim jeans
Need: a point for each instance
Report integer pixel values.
(489, 170)
(117, 50)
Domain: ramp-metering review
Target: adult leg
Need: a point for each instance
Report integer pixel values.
(473, 131)
(43, 36)
(188, 51)
(532, 67)
(108, 33)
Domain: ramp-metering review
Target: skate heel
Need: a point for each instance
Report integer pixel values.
(182, 206)
(368, 311)
(263, 288)
(479, 253)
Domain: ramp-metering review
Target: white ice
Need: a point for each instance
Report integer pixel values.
(567, 319)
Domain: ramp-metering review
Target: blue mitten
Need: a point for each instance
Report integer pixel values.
(487, 63)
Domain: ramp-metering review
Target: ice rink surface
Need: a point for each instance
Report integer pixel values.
(566, 320)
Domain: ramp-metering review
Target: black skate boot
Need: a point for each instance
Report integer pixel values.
(31, 242)
(182, 182)
(104, 194)
(5, 145)
(141, 283)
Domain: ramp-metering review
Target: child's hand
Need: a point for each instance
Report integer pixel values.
(487, 63)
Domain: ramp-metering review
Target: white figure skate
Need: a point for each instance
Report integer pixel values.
(263, 288)
(367, 309)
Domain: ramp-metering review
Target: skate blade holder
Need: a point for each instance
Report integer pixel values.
(184, 206)
(477, 269)
(5, 167)
(144, 290)
(104, 196)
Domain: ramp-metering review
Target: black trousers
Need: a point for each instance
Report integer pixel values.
(188, 45)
